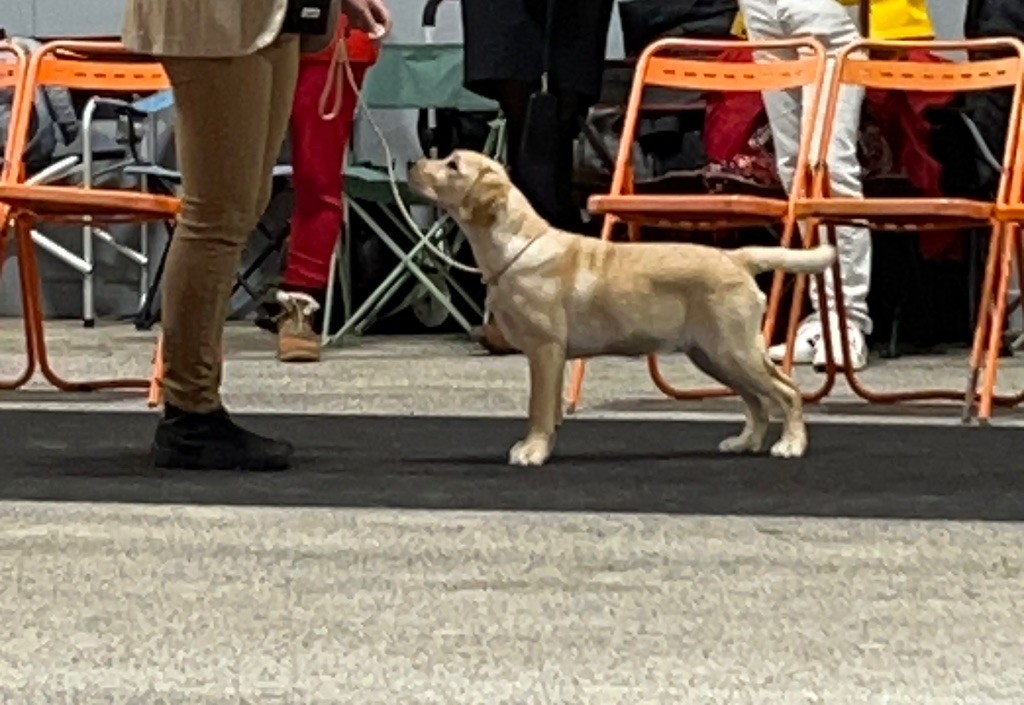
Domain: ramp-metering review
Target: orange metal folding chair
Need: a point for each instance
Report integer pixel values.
(854, 66)
(91, 66)
(688, 64)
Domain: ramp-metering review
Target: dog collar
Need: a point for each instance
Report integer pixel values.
(493, 280)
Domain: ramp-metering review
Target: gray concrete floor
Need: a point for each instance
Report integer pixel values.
(179, 604)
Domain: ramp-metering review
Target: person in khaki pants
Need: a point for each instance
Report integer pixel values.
(233, 74)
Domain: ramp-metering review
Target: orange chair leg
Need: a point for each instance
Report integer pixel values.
(156, 381)
(795, 310)
(778, 280)
(666, 388)
(29, 270)
(29, 314)
(579, 371)
(1019, 254)
(995, 327)
(874, 397)
(985, 300)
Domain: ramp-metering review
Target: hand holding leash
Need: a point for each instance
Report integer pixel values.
(370, 16)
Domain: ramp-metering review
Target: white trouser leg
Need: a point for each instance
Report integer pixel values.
(833, 25)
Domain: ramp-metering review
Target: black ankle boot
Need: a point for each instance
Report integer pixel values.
(212, 441)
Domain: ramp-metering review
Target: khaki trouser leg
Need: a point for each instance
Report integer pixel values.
(232, 116)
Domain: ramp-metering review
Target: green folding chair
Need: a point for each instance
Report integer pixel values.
(424, 77)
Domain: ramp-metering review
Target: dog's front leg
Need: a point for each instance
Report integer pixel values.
(547, 368)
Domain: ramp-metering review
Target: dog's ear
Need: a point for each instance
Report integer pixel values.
(485, 198)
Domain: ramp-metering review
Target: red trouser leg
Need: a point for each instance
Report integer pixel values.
(318, 157)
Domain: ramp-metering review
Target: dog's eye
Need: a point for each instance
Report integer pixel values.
(453, 164)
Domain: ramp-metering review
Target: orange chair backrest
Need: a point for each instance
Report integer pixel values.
(670, 63)
(67, 70)
(13, 68)
(103, 67)
(713, 75)
(887, 74)
(856, 67)
(11, 72)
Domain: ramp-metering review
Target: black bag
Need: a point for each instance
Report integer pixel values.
(54, 121)
(990, 110)
(541, 129)
(315, 21)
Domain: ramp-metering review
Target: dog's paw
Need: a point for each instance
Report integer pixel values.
(743, 443)
(530, 452)
(791, 447)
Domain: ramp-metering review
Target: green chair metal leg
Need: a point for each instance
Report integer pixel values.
(406, 264)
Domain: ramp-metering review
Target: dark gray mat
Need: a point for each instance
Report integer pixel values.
(458, 463)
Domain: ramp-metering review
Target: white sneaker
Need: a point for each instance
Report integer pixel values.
(858, 350)
(804, 346)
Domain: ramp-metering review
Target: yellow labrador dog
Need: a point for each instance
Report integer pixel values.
(558, 296)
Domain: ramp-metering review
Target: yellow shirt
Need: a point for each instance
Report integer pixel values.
(890, 19)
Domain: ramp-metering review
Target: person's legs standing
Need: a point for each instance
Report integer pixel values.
(554, 205)
(504, 45)
(232, 116)
(785, 111)
(832, 24)
(318, 159)
(784, 108)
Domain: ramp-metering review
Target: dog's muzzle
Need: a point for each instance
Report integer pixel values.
(416, 174)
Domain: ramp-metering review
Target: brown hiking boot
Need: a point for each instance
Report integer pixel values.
(296, 339)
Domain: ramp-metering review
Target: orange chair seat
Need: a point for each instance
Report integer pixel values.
(61, 203)
(898, 213)
(689, 210)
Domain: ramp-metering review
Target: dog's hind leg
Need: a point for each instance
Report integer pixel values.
(751, 438)
(741, 361)
(793, 443)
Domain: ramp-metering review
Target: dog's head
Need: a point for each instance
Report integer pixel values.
(472, 187)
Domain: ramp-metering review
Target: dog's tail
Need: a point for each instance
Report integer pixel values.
(764, 259)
